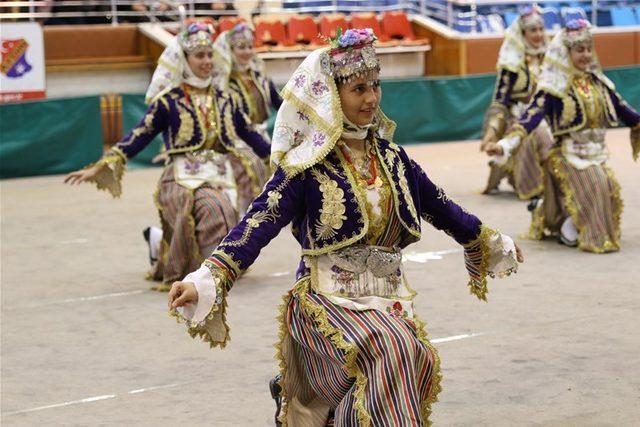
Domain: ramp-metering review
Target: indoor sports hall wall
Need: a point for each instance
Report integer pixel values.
(60, 135)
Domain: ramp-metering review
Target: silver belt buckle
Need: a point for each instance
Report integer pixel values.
(360, 258)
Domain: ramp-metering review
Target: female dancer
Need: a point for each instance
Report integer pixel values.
(254, 93)
(352, 349)
(519, 65)
(196, 195)
(581, 201)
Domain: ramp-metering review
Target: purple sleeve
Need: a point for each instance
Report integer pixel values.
(506, 80)
(539, 108)
(280, 201)
(253, 139)
(276, 99)
(627, 114)
(154, 121)
(442, 212)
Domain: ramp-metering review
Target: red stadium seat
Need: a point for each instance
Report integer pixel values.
(270, 34)
(396, 25)
(303, 30)
(225, 23)
(370, 20)
(330, 22)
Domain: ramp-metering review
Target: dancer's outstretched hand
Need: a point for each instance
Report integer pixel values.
(84, 175)
(519, 255)
(494, 149)
(182, 293)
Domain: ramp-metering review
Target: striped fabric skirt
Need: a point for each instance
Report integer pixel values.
(250, 173)
(193, 223)
(353, 368)
(524, 170)
(590, 196)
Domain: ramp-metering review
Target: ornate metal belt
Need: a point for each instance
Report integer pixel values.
(380, 261)
(589, 135)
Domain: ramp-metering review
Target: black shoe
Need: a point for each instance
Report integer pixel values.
(276, 391)
(533, 204)
(146, 233)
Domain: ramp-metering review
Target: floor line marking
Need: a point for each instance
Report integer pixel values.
(80, 299)
(457, 337)
(93, 399)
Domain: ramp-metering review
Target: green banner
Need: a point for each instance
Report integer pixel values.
(56, 136)
(49, 137)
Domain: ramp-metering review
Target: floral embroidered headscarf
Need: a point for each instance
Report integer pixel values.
(173, 69)
(310, 120)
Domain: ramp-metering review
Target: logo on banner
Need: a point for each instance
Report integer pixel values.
(14, 62)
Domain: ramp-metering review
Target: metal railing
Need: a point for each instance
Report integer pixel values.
(119, 11)
(461, 15)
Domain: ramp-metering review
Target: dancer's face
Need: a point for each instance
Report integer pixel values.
(535, 36)
(360, 99)
(582, 55)
(201, 62)
(243, 53)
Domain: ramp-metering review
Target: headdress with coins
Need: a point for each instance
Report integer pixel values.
(240, 36)
(351, 55)
(530, 17)
(558, 70)
(515, 47)
(577, 31)
(173, 69)
(310, 120)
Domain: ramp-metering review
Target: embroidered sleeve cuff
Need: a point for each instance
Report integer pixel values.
(491, 254)
(207, 319)
(110, 177)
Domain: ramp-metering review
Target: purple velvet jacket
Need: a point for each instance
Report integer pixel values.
(270, 95)
(327, 212)
(567, 114)
(182, 127)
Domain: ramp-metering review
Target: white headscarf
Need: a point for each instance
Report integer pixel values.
(515, 47)
(223, 46)
(558, 70)
(173, 70)
(310, 120)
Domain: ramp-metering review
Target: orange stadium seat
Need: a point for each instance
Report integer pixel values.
(303, 30)
(330, 22)
(396, 25)
(270, 34)
(370, 20)
(225, 23)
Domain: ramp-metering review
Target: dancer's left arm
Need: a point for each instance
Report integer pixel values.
(630, 118)
(486, 251)
(237, 125)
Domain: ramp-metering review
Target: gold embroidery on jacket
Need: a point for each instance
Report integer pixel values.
(333, 206)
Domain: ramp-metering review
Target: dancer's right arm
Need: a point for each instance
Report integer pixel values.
(201, 296)
(496, 118)
(539, 108)
(107, 172)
